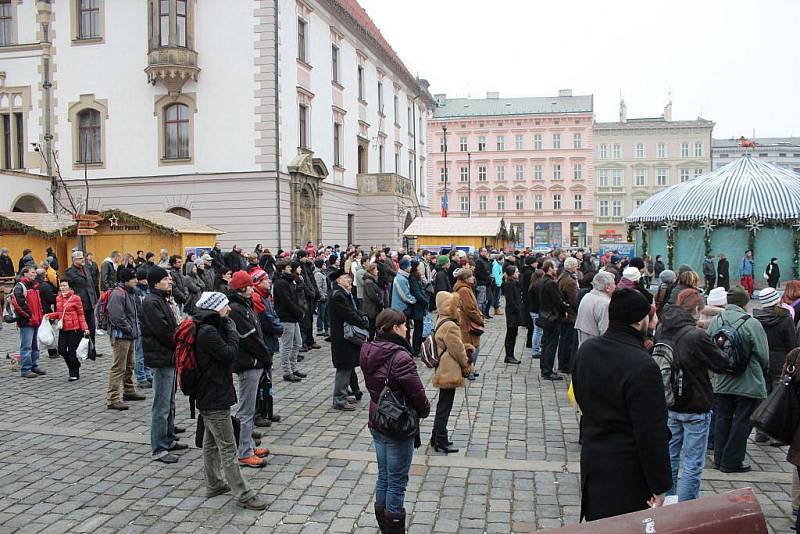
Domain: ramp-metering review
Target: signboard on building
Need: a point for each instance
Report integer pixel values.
(623, 249)
(546, 235)
(577, 234)
(611, 236)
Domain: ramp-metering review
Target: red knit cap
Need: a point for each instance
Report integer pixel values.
(240, 280)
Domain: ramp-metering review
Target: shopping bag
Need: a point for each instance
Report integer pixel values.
(45, 334)
(83, 348)
(571, 395)
(427, 325)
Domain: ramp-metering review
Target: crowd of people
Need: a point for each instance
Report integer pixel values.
(596, 318)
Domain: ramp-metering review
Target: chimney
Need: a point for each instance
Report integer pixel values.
(668, 111)
(623, 111)
(565, 92)
(441, 99)
(492, 95)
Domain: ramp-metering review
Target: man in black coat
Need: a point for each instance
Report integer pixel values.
(159, 323)
(723, 272)
(289, 311)
(345, 355)
(179, 291)
(85, 286)
(552, 312)
(625, 463)
(483, 279)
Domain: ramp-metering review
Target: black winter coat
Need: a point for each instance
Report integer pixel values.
(420, 307)
(534, 293)
(372, 298)
(780, 335)
(92, 268)
(551, 300)
(82, 283)
(342, 309)
(108, 276)
(179, 291)
(525, 275)
(723, 274)
(158, 324)
(483, 271)
(217, 345)
(773, 273)
(6, 266)
(695, 354)
(253, 353)
(625, 453)
(217, 261)
(48, 293)
(515, 309)
(285, 299)
(441, 282)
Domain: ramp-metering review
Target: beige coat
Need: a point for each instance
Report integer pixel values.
(453, 361)
(468, 311)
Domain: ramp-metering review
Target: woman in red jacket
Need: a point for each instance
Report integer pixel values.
(69, 310)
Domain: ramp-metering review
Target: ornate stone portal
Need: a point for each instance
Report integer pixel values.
(307, 174)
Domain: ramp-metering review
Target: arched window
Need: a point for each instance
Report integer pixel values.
(89, 136)
(176, 132)
(183, 212)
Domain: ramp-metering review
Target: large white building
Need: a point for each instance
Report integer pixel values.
(277, 121)
(781, 151)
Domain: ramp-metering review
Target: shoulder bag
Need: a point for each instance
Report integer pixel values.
(393, 417)
(778, 416)
(354, 333)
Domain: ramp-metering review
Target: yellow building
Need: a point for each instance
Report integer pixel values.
(435, 233)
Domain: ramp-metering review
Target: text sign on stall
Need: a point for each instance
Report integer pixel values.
(86, 231)
(87, 217)
(87, 224)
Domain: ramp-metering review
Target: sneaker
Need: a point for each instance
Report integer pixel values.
(315, 346)
(554, 377)
(30, 374)
(211, 493)
(261, 452)
(73, 379)
(168, 459)
(179, 447)
(290, 378)
(119, 405)
(254, 503)
(252, 461)
(39, 371)
(179, 429)
(262, 421)
(133, 397)
(298, 374)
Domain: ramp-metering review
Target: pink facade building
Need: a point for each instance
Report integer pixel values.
(528, 160)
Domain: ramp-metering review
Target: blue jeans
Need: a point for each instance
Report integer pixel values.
(690, 435)
(496, 297)
(537, 336)
(162, 415)
(142, 373)
(322, 317)
(475, 354)
(480, 295)
(394, 462)
(28, 349)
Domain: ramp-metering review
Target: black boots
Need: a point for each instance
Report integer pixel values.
(394, 523)
(379, 511)
(446, 446)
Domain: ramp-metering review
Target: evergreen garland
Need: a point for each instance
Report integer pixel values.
(644, 242)
(796, 254)
(670, 249)
(707, 242)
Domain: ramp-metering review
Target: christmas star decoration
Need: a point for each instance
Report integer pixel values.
(753, 225)
(708, 226)
(641, 227)
(796, 225)
(670, 226)
(112, 221)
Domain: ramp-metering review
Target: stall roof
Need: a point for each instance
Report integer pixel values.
(42, 224)
(166, 222)
(454, 226)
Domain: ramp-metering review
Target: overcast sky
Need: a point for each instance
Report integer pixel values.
(734, 62)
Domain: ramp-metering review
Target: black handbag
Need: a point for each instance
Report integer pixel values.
(393, 417)
(778, 416)
(548, 321)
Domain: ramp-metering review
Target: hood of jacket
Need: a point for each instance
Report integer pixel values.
(447, 305)
(209, 317)
(674, 318)
(286, 276)
(376, 354)
(371, 276)
(767, 317)
(460, 284)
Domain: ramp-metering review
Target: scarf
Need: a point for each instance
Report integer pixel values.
(258, 303)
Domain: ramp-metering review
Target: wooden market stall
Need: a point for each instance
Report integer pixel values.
(35, 231)
(435, 233)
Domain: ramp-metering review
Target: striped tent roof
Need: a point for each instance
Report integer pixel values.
(747, 187)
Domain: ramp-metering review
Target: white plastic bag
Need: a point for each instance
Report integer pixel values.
(45, 334)
(83, 349)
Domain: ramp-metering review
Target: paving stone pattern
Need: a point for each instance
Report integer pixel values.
(67, 464)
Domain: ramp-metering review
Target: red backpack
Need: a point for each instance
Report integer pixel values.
(186, 358)
(101, 312)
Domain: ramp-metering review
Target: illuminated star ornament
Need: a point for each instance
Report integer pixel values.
(113, 221)
(753, 225)
(670, 226)
(796, 225)
(707, 225)
(640, 227)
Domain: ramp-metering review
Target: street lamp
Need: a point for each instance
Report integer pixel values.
(469, 184)
(444, 138)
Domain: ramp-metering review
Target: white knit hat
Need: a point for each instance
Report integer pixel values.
(212, 300)
(768, 297)
(632, 274)
(718, 297)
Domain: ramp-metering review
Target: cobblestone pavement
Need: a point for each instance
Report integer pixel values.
(67, 464)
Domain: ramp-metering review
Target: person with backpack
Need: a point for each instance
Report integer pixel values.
(290, 313)
(688, 354)
(454, 364)
(123, 320)
(387, 363)
(143, 374)
(108, 271)
(69, 310)
(216, 347)
(85, 286)
(738, 392)
(665, 288)
(28, 308)
(159, 322)
(253, 357)
(470, 318)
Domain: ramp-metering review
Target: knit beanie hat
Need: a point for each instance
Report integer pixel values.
(684, 269)
(405, 264)
(717, 297)
(240, 280)
(443, 260)
(667, 276)
(636, 262)
(738, 296)
(155, 275)
(212, 300)
(258, 275)
(615, 259)
(200, 262)
(768, 297)
(126, 275)
(627, 306)
(632, 274)
(689, 299)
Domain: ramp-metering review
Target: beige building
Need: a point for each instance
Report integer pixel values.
(636, 158)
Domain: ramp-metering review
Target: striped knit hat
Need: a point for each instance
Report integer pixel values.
(212, 300)
(768, 297)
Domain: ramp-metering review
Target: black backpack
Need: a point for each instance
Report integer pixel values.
(730, 342)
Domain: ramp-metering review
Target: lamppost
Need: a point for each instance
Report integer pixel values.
(469, 184)
(444, 138)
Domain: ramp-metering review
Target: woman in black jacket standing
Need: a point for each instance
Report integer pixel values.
(515, 310)
(373, 299)
(419, 308)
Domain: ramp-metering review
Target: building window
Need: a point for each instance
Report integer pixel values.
(501, 143)
(537, 202)
(302, 125)
(639, 203)
(698, 150)
(519, 172)
(557, 201)
(380, 98)
(88, 19)
(577, 171)
(464, 203)
(684, 175)
(176, 132)
(463, 143)
(180, 22)
(556, 140)
(684, 150)
(482, 202)
(616, 151)
(302, 27)
(337, 144)
(603, 208)
(603, 152)
(616, 178)
(576, 140)
(661, 176)
(482, 173)
(89, 137)
(335, 63)
(381, 158)
(442, 174)
(13, 145)
(602, 178)
(396, 109)
(537, 141)
(578, 200)
(6, 23)
(464, 174)
(519, 202)
(698, 172)
(361, 82)
(481, 143)
(537, 172)
(616, 208)
(409, 120)
(662, 150)
(443, 144)
(641, 177)
(518, 141)
(411, 168)
(639, 153)
(557, 171)
(501, 173)
(501, 202)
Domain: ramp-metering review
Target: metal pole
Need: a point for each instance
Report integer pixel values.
(277, 128)
(469, 184)
(444, 136)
